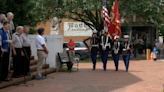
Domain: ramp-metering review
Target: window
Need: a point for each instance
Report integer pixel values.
(77, 44)
(65, 45)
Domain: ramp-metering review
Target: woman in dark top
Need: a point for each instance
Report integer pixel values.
(94, 48)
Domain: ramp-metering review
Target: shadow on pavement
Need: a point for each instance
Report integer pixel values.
(87, 80)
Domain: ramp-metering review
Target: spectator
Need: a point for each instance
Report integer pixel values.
(143, 47)
(10, 17)
(135, 48)
(155, 42)
(158, 46)
(2, 18)
(139, 40)
(17, 52)
(2, 22)
(5, 45)
(41, 52)
(71, 46)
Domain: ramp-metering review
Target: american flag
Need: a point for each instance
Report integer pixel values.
(105, 16)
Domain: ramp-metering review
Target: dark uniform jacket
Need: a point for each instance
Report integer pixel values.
(108, 48)
(115, 47)
(94, 44)
(123, 47)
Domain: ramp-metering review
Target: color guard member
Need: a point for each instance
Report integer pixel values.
(126, 51)
(117, 48)
(94, 44)
(105, 47)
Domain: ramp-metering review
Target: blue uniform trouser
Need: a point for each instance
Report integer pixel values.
(93, 57)
(104, 58)
(116, 60)
(126, 59)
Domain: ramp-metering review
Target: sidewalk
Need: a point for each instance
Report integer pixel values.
(143, 76)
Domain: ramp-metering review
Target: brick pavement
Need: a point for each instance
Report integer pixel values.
(143, 76)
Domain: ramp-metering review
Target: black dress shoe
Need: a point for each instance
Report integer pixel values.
(93, 69)
(126, 70)
(0, 81)
(104, 69)
(7, 79)
(116, 70)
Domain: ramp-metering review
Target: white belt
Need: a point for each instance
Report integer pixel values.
(94, 45)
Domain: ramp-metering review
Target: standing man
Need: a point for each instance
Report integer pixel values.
(10, 17)
(158, 46)
(105, 47)
(17, 52)
(117, 48)
(126, 51)
(139, 40)
(71, 46)
(5, 46)
(2, 22)
(41, 52)
(94, 44)
(156, 40)
(27, 47)
(2, 19)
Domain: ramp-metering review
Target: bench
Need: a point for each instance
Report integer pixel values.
(65, 59)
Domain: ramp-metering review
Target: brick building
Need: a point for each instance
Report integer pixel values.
(78, 31)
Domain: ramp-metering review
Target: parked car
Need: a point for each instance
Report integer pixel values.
(82, 50)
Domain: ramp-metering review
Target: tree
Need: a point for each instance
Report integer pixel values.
(27, 12)
(91, 10)
(32, 12)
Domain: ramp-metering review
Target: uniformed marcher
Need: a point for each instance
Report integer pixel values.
(17, 52)
(5, 45)
(94, 44)
(25, 70)
(126, 51)
(105, 47)
(117, 48)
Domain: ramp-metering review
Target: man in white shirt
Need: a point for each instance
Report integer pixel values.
(41, 52)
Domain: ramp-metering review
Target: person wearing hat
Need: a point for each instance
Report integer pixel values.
(94, 48)
(105, 47)
(126, 51)
(117, 48)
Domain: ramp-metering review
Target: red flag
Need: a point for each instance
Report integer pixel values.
(115, 28)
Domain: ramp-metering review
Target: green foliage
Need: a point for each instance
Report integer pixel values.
(91, 10)
(150, 46)
(139, 46)
(27, 12)
(32, 12)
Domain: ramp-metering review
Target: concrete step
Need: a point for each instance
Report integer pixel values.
(32, 62)
(32, 69)
(16, 81)
(31, 58)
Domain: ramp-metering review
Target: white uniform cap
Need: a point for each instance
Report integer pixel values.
(126, 36)
(94, 31)
(116, 37)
